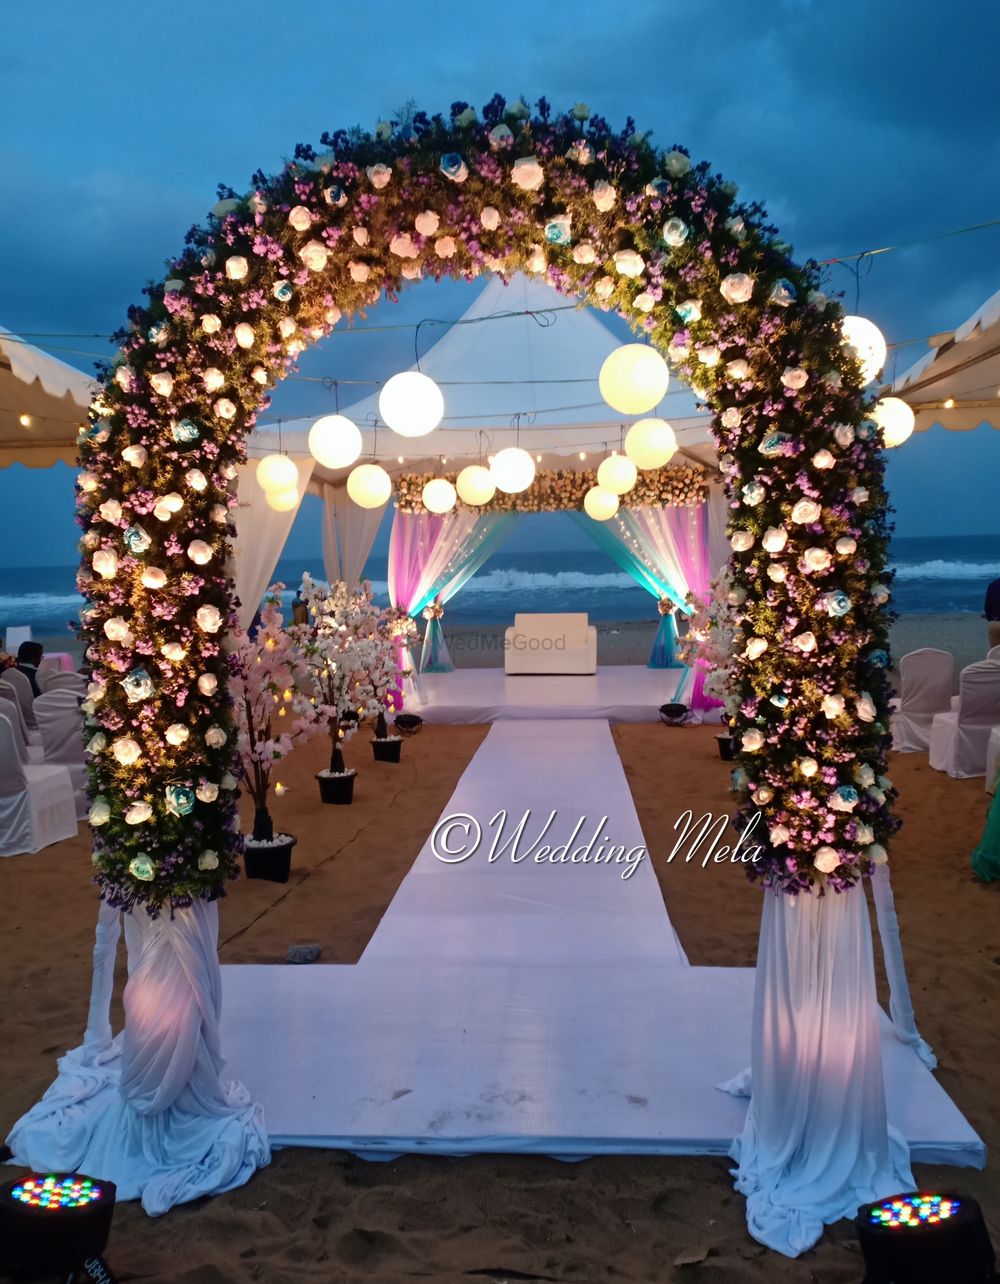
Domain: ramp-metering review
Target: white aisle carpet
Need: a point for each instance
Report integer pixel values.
(512, 911)
(617, 693)
(534, 1007)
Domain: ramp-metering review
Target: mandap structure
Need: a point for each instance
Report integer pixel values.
(606, 217)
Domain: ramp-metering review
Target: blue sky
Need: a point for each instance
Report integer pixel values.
(858, 124)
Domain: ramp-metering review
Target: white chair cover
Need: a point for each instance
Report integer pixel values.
(36, 803)
(12, 708)
(960, 737)
(61, 724)
(992, 760)
(56, 680)
(994, 654)
(928, 677)
(21, 687)
(29, 754)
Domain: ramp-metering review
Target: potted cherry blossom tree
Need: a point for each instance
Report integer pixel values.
(269, 685)
(381, 685)
(708, 644)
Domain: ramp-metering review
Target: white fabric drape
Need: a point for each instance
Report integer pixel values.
(348, 534)
(817, 1143)
(900, 1004)
(150, 1110)
(718, 520)
(260, 536)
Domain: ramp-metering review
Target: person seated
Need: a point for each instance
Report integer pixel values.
(6, 661)
(29, 657)
(991, 610)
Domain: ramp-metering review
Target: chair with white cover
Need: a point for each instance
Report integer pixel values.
(15, 636)
(11, 706)
(61, 724)
(992, 760)
(56, 680)
(927, 678)
(994, 654)
(25, 696)
(37, 807)
(959, 738)
(28, 753)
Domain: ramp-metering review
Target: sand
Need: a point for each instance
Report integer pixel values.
(329, 1217)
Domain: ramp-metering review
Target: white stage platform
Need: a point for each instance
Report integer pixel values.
(556, 1060)
(532, 1007)
(616, 693)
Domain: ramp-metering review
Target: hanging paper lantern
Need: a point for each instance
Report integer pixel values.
(600, 504)
(617, 474)
(634, 379)
(283, 501)
(895, 418)
(369, 485)
(513, 470)
(334, 441)
(277, 472)
(411, 404)
(475, 485)
(650, 443)
(863, 339)
(439, 495)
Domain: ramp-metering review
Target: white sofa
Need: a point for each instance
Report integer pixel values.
(551, 644)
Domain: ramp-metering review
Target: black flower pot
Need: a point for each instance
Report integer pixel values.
(727, 748)
(272, 861)
(337, 789)
(387, 749)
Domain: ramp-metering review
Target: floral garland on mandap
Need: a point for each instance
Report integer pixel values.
(604, 215)
(561, 489)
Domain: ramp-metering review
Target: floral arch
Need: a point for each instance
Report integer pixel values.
(604, 215)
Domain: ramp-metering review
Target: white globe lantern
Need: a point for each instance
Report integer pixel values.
(864, 340)
(334, 441)
(650, 443)
(634, 379)
(283, 501)
(411, 404)
(895, 418)
(277, 472)
(513, 470)
(369, 485)
(617, 474)
(600, 504)
(439, 495)
(475, 485)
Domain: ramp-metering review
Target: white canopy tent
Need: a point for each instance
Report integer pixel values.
(957, 383)
(519, 367)
(43, 402)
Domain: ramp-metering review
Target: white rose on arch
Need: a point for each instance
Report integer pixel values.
(314, 255)
(379, 175)
(752, 740)
(629, 263)
(489, 217)
(518, 110)
(427, 222)
(537, 262)
(605, 196)
(402, 246)
(677, 164)
(359, 271)
(209, 619)
(527, 173)
(300, 218)
(581, 111)
(584, 252)
(737, 287)
(816, 559)
(826, 860)
(500, 136)
(794, 377)
(865, 708)
(445, 247)
(605, 287)
(806, 511)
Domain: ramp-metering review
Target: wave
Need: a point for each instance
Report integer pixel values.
(514, 581)
(31, 603)
(940, 569)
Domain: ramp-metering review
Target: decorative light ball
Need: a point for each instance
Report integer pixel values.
(513, 470)
(633, 379)
(895, 418)
(475, 485)
(334, 441)
(369, 485)
(411, 404)
(277, 472)
(600, 504)
(650, 443)
(283, 501)
(199, 552)
(864, 339)
(617, 474)
(439, 495)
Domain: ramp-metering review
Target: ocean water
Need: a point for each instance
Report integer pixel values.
(933, 574)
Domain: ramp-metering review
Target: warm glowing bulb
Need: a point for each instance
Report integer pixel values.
(600, 504)
(283, 501)
(633, 379)
(411, 404)
(650, 443)
(863, 339)
(895, 418)
(277, 472)
(475, 485)
(334, 441)
(617, 474)
(369, 485)
(513, 470)
(439, 495)
(24, 421)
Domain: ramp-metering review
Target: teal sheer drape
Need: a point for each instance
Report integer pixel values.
(627, 556)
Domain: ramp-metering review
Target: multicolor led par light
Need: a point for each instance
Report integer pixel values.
(52, 1223)
(918, 1238)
